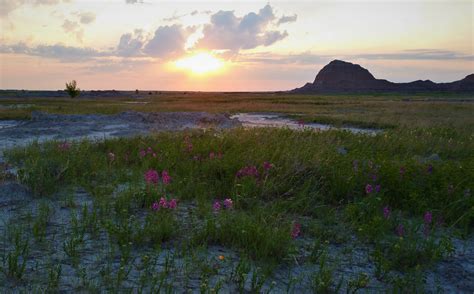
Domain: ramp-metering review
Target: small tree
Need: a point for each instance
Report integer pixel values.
(72, 90)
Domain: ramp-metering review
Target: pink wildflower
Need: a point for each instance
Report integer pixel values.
(173, 203)
(151, 176)
(368, 189)
(248, 171)
(267, 166)
(386, 212)
(155, 206)
(149, 150)
(163, 203)
(216, 206)
(165, 177)
(295, 232)
(228, 203)
(142, 153)
(154, 154)
(212, 155)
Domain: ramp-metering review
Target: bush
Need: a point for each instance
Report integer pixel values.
(72, 90)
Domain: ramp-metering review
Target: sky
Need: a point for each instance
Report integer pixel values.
(228, 45)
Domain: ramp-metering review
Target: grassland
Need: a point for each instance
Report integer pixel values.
(311, 211)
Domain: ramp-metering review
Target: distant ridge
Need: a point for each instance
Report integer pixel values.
(342, 77)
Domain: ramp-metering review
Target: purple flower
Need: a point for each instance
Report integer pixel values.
(173, 203)
(163, 203)
(228, 203)
(151, 176)
(248, 171)
(142, 153)
(429, 169)
(377, 188)
(400, 230)
(428, 217)
(216, 206)
(368, 189)
(155, 206)
(386, 212)
(267, 166)
(374, 177)
(165, 177)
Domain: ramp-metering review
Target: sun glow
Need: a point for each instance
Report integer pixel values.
(201, 63)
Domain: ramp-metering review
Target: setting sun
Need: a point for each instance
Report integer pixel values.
(200, 63)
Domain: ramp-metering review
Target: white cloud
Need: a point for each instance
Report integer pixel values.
(226, 31)
(168, 41)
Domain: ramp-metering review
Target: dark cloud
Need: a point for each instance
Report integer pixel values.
(226, 31)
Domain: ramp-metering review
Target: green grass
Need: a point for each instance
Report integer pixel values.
(366, 110)
(428, 166)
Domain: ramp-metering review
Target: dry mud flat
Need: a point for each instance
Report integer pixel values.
(101, 265)
(44, 127)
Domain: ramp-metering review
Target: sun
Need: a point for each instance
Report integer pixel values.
(200, 63)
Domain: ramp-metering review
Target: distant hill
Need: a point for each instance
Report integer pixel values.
(341, 77)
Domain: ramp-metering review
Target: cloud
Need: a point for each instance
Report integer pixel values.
(417, 54)
(86, 17)
(131, 44)
(168, 41)
(226, 31)
(7, 6)
(133, 1)
(287, 18)
(58, 51)
(74, 28)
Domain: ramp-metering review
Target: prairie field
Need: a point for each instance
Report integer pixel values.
(244, 210)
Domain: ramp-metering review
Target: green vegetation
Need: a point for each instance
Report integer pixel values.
(382, 110)
(72, 90)
(402, 194)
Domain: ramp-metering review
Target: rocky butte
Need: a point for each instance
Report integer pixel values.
(344, 77)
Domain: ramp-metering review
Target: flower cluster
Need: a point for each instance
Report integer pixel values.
(148, 151)
(163, 203)
(369, 188)
(152, 177)
(248, 171)
(227, 203)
